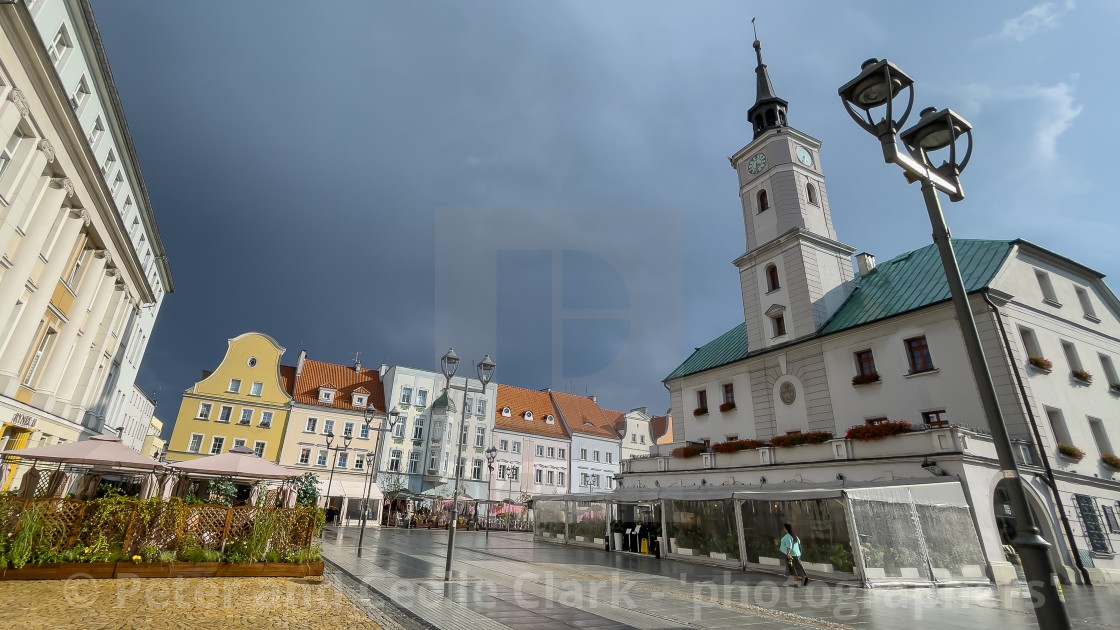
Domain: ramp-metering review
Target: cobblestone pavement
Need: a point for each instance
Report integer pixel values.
(510, 581)
(185, 603)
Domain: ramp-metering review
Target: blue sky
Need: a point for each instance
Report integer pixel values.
(298, 155)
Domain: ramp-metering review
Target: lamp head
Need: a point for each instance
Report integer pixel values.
(937, 130)
(449, 363)
(330, 437)
(393, 416)
(486, 369)
(877, 84)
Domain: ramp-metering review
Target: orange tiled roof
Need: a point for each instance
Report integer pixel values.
(617, 420)
(287, 377)
(521, 400)
(584, 416)
(341, 378)
(658, 427)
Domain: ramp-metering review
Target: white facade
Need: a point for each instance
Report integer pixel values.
(422, 446)
(637, 440)
(791, 368)
(595, 463)
(71, 275)
(101, 119)
(136, 418)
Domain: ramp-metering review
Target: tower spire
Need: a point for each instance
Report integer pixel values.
(768, 111)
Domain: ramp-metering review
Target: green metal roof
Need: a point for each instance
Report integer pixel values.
(915, 280)
(905, 283)
(729, 347)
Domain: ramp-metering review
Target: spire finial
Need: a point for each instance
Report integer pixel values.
(768, 111)
(755, 27)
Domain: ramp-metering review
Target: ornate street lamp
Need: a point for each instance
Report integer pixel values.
(879, 84)
(334, 460)
(491, 454)
(449, 363)
(368, 416)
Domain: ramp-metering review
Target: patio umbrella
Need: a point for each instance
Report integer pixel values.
(239, 462)
(105, 450)
(30, 483)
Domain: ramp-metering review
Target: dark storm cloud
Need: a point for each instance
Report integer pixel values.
(297, 154)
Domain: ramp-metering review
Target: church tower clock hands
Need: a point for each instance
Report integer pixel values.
(795, 273)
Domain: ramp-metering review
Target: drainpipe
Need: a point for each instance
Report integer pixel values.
(1038, 442)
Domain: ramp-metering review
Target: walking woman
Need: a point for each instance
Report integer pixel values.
(791, 546)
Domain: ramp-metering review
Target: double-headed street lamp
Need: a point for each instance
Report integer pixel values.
(334, 460)
(449, 363)
(491, 454)
(391, 421)
(878, 85)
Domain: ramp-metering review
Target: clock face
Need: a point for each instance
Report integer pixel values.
(804, 156)
(756, 164)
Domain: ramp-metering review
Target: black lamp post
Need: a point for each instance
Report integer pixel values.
(367, 417)
(491, 453)
(878, 85)
(334, 460)
(449, 363)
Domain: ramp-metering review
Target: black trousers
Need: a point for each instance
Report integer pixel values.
(793, 567)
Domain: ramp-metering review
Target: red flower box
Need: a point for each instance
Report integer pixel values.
(684, 452)
(869, 432)
(735, 446)
(727, 406)
(699, 411)
(797, 439)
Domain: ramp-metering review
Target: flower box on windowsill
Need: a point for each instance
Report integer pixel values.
(1082, 376)
(727, 406)
(265, 425)
(1040, 364)
(1111, 461)
(700, 411)
(1071, 452)
(859, 380)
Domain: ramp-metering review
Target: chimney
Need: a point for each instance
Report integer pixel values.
(866, 263)
(593, 399)
(358, 366)
(382, 370)
(299, 362)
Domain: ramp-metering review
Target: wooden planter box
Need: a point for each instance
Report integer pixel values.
(33, 572)
(194, 569)
(128, 569)
(315, 569)
(88, 570)
(254, 569)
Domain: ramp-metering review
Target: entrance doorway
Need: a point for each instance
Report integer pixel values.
(643, 522)
(1007, 523)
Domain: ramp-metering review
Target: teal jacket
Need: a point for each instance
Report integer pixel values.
(790, 546)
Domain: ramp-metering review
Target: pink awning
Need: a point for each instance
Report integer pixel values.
(238, 462)
(100, 450)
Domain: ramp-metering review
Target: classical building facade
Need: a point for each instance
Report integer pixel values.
(533, 446)
(823, 349)
(635, 430)
(245, 401)
(328, 398)
(420, 452)
(72, 276)
(596, 446)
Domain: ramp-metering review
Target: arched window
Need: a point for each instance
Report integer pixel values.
(772, 278)
(771, 118)
(811, 194)
(763, 201)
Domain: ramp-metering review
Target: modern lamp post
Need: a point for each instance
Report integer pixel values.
(334, 460)
(878, 85)
(491, 453)
(449, 363)
(368, 416)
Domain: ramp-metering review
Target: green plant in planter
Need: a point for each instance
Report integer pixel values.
(150, 554)
(307, 490)
(616, 527)
(766, 547)
(873, 555)
(1041, 363)
(1071, 452)
(22, 545)
(841, 558)
(223, 491)
(1082, 375)
(1111, 461)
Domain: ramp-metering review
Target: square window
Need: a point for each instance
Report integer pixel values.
(310, 427)
(348, 429)
(406, 396)
(516, 447)
(583, 453)
(60, 46)
(204, 411)
(343, 459)
(1072, 359)
(552, 451)
(256, 389)
(238, 442)
(917, 352)
(364, 432)
(935, 418)
(481, 407)
(266, 419)
(865, 363)
(359, 461)
(779, 322)
(321, 458)
(328, 426)
(480, 437)
(422, 398)
(246, 416)
(195, 444)
(414, 462)
(225, 413)
(559, 478)
(702, 399)
(538, 476)
(729, 393)
(216, 445)
(418, 429)
(258, 448)
(503, 445)
(1058, 425)
(234, 385)
(305, 455)
(1030, 343)
(595, 455)
(540, 450)
(562, 453)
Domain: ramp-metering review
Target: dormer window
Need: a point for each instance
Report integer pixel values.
(358, 400)
(529, 416)
(506, 412)
(763, 202)
(549, 419)
(326, 395)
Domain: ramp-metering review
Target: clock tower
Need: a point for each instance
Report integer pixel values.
(795, 273)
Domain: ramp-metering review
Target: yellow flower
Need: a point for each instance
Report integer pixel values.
(86, 550)
(136, 559)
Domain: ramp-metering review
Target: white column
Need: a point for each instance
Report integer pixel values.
(26, 192)
(27, 255)
(65, 345)
(28, 322)
(108, 294)
(89, 382)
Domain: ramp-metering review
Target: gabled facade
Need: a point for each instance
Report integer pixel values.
(822, 350)
(72, 279)
(534, 447)
(596, 447)
(635, 431)
(245, 401)
(328, 398)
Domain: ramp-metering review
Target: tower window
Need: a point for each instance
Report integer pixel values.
(771, 118)
(811, 194)
(779, 325)
(772, 283)
(763, 201)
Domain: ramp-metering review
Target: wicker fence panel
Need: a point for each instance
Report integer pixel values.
(11, 509)
(207, 523)
(241, 523)
(62, 520)
(159, 525)
(108, 518)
